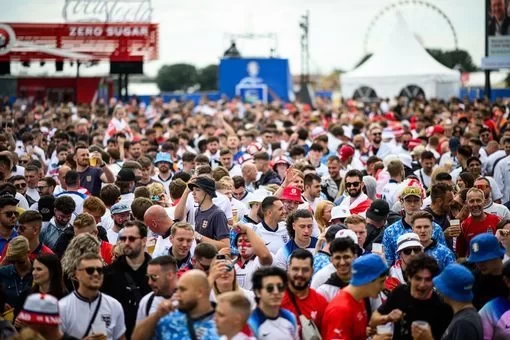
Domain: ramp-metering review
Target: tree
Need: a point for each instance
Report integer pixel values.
(208, 78)
(454, 59)
(176, 77)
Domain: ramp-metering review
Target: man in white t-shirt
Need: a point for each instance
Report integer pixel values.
(120, 214)
(272, 227)
(77, 310)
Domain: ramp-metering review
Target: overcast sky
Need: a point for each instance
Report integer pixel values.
(195, 31)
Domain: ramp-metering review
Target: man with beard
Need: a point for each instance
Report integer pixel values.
(125, 279)
(357, 202)
(312, 192)
(299, 298)
(268, 176)
(253, 254)
(91, 177)
(415, 301)
(162, 275)
(135, 150)
(120, 213)
(299, 228)
(8, 217)
(427, 163)
(272, 229)
(194, 318)
(164, 164)
(78, 308)
(269, 320)
(64, 208)
(477, 223)
(331, 183)
(411, 200)
(343, 252)
(377, 147)
(377, 215)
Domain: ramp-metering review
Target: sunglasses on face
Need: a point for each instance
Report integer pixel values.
(271, 288)
(481, 186)
(21, 186)
(353, 184)
(408, 251)
(129, 238)
(204, 267)
(153, 277)
(11, 213)
(91, 270)
(377, 134)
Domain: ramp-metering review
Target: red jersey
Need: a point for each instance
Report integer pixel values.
(471, 228)
(345, 318)
(40, 249)
(312, 307)
(106, 251)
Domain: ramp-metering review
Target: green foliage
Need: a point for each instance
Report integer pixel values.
(208, 78)
(176, 77)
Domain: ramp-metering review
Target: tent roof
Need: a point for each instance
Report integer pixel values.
(401, 55)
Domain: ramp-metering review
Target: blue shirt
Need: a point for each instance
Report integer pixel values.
(175, 326)
(399, 228)
(4, 241)
(496, 319)
(281, 258)
(320, 260)
(50, 233)
(443, 255)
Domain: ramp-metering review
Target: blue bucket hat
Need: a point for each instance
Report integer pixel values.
(456, 283)
(367, 268)
(485, 247)
(163, 157)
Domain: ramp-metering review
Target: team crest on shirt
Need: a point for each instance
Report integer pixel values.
(204, 224)
(360, 316)
(107, 318)
(285, 238)
(89, 178)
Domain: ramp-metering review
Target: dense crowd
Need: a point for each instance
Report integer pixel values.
(224, 220)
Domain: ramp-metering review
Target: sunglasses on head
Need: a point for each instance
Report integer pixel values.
(129, 238)
(270, 288)
(415, 250)
(91, 270)
(11, 213)
(353, 184)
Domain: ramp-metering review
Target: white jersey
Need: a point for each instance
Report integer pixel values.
(322, 276)
(498, 209)
(283, 327)
(76, 312)
(328, 291)
(235, 171)
(142, 306)
(274, 239)
(245, 272)
(389, 192)
(77, 197)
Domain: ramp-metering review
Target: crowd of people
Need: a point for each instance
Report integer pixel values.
(224, 220)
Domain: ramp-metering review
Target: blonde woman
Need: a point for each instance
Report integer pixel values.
(158, 195)
(323, 214)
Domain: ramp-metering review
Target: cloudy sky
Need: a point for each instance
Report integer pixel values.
(196, 31)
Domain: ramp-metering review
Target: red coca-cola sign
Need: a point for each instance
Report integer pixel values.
(79, 41)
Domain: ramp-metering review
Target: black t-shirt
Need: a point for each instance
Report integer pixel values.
(91, 180)
(212, 223)
(486, 288)
(465, 325)
(434, 311)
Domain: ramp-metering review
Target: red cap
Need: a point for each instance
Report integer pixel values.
(438, 129)
(291, 193)
(345, 152)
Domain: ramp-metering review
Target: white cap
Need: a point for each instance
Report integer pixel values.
(347, 233)
(339, 212)
(408, 240)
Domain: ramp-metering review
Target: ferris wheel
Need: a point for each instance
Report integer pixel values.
(407, 3)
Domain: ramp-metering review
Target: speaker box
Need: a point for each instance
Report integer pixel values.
(5, 67)
(128, 67)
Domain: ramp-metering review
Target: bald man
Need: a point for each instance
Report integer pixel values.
(194, 307)
(64, 169)
(250, 175)
(158, 221)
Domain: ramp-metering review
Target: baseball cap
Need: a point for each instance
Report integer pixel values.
(40, 309)
(367, 268)
(6, 198)
(411, 191)
(345, 152)
(347, 233)
(485, 247)
(455, 282)
(291, 193)
(339, 212)
(126, 175)
(408, 240)
(281, 160)
(205, 183)
(318, 131)
(379, 210)
(163, 157)
(119, 208)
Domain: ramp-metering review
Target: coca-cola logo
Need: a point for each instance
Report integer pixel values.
(107, 11)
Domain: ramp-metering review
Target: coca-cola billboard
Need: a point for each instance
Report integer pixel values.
(79, 41)
(134, 11)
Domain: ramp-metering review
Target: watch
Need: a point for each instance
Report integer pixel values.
(198, 237)
(102, 165)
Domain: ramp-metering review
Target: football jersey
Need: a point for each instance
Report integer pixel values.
(281, 258)
(274, 239)
(244, 272)
(283, 327)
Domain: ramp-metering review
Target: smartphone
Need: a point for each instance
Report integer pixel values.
(221, 257)
(377, 248)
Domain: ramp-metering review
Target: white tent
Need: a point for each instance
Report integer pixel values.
(401, 64)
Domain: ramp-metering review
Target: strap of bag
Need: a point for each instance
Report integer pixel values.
(89, 327)
(149, 304)
(191, 329)
(293, 300)
(133, 286)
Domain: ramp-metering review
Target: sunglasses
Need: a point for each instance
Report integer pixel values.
(153, 277)
(11, 213)
(91, 270)
(21, 186)
(271, 288)
(353, 184)
(129, 238)
(408, 251)
(204, 267)
(482, 186)
(377, 134)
